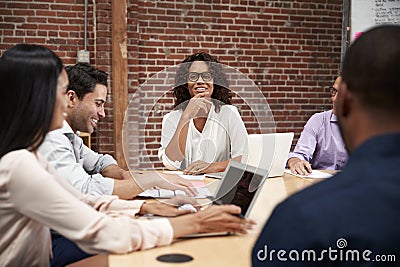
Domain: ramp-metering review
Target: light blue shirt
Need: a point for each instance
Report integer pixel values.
(77, 163)
(321, 143)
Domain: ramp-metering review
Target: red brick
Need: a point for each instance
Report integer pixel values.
(11, 5)
(17, 12)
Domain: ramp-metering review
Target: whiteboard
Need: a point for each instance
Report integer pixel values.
(369, 13)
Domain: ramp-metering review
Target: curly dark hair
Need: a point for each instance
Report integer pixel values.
(221, 94)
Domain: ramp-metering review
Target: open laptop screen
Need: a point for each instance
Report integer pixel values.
(240, 186)
(268, 151)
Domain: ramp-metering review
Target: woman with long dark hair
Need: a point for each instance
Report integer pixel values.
(34, 199)
(204, 131)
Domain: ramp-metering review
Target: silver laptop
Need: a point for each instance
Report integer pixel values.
(268, 152)
(239, 186)
(265, 151)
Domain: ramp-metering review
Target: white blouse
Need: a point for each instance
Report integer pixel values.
(223, 137)
(33, 199)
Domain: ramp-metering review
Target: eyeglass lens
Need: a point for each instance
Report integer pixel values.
(333, 91)
(194, 76)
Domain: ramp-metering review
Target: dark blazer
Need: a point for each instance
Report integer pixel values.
(357, 211)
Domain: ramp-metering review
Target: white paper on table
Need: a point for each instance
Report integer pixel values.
(203, 192)
(186, 176)
(313, 174)
(193, 177)
(173, 172)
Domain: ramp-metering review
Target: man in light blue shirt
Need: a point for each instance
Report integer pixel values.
(88, 171)
(320, 145)
(80, 166)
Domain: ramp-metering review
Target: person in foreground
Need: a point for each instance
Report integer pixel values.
(204, 131)
(88, 171)
(320, 144)
(352, 218)
(33, 198)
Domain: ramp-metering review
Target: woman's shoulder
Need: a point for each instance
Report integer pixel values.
(17, 156)
(173, 114)
(229, 109)
(18, 161)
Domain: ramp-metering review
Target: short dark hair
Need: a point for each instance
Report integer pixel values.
(83, 78)
(371, 68)
(221, 92)
(28, 78)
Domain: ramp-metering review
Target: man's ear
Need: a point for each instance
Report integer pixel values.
(72, 98)
(345, 104)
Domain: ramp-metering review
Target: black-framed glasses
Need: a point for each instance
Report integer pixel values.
(194, 76)
(333, 91)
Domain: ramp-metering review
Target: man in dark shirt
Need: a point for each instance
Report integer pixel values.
(354, 217)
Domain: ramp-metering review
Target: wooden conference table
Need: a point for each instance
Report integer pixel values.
(230, 251)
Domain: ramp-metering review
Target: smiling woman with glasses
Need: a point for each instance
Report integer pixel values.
(204, 131)
(213, 74)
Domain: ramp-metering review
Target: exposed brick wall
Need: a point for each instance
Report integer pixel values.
(290, 49)
(59, 25)
(104, 137)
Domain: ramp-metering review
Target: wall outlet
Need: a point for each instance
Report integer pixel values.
(83, 56)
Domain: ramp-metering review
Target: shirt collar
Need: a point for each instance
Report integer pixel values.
(333, 117)
(67, 130)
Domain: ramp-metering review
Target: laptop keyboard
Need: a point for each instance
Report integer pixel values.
(203, 192)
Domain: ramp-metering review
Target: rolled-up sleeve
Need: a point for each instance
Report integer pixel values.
(44, 199)
(82, 172)
(95, 162)
(305, 147)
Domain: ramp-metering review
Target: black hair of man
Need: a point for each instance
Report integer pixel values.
(371, 69)
(83, 78)
(28, 78)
